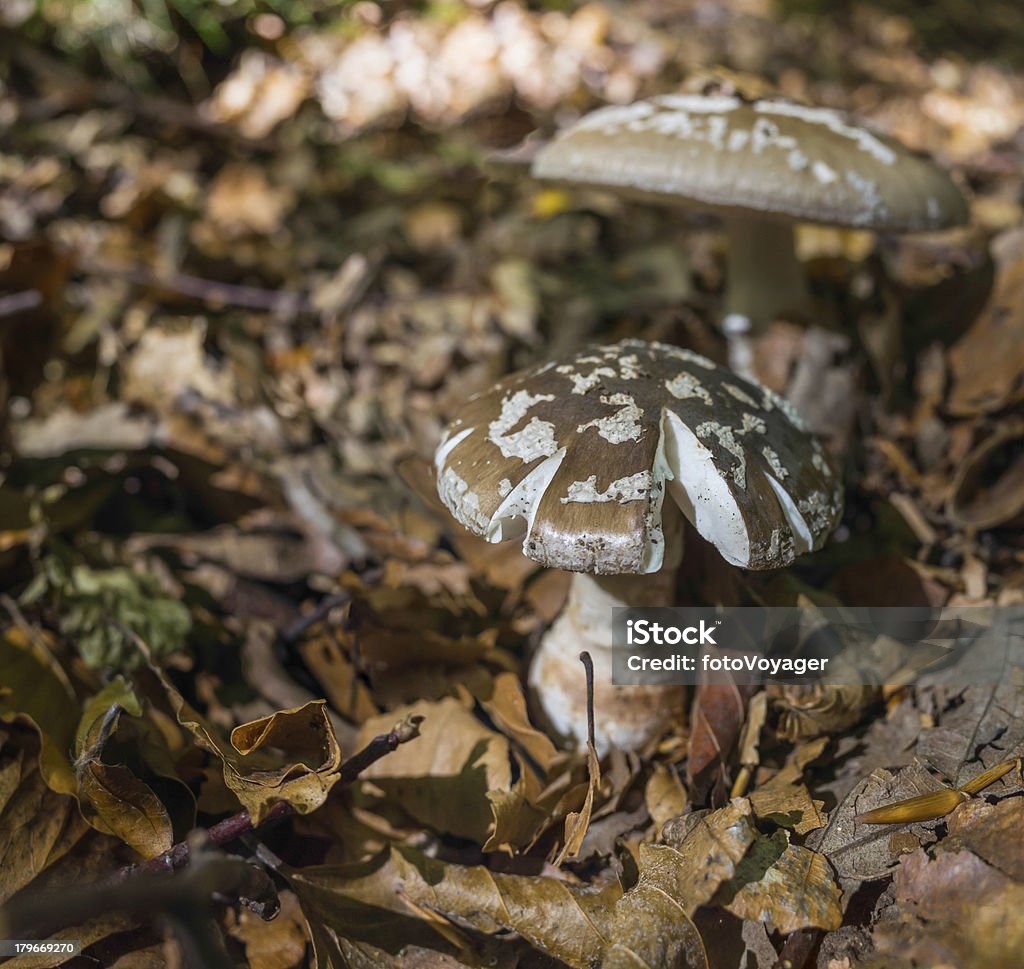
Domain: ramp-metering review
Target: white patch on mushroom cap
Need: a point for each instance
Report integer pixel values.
(504, 487)
(634, 487)
(702, 493)
(463, 503)
(699, 103)
(685, 385)
(835, 123)
(740, 395)
(751, 422)
(536, 440)
(803, 539)
(623, 425)
(727, 439)
(581, 383)
(447, 445)
(516, 513)
(824, 173)
(775, 463)
(629, 367)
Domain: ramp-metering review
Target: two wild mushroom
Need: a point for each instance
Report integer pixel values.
(577, 458)
(762, 166)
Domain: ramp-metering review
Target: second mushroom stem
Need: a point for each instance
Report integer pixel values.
(765, 280)
(626, 716)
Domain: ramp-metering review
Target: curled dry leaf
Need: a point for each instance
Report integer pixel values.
(987, 363)
(988, 488)
(112, 798)
(303, 776)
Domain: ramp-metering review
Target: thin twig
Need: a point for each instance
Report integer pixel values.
(588, 666)
(27, 299)
(283, 302)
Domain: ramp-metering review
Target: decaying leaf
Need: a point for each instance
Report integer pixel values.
(456, 760)
(987, 363)
(956, 911)
(711, 845)
(112, 798)
(362, 902)
(651, 928)
(785, 884)
(788, 805)
(577, 823)
(302, 774)
(863, 851)
(34, 687)
(988, 488)
(33, 818)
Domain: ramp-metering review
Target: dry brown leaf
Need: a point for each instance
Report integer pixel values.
(455, 760)
(259, 779)
(664, 795)
(278, 944)
(788, 885)
(31, 821)
(789, 806)
(578, 822)
(957, 911)
(362, 903)
(711, 845)
(988, 486)
(113, 800)
(716, 720)
(987, 363)
(651, 927)
(992, 832)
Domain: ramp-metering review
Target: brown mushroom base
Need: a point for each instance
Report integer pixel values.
(627, 717)
(765, 281)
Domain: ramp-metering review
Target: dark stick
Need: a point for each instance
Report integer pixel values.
(588, 666)
(27, 299)
(207, 290)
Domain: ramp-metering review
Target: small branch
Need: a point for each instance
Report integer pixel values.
(28, 299)
(588, 667)
(283, 302)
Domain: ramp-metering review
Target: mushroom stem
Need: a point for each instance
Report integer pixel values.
(765, 280)
(627, 717)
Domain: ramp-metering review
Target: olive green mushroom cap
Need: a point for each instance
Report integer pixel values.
(768, 157)
(579, 454)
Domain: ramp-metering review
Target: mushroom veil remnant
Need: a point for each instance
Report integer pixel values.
(576, 457)
(761, 165)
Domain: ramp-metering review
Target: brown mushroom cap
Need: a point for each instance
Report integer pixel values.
(579, 453)
(770, 157)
